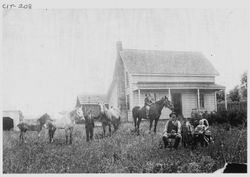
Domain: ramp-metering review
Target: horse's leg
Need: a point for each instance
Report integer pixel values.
(109, 129)
(21, 135)
(50, 135)
(104, 129)
(91, 133)
(70, 139)
(66, 134)
(87, 133)
(150, 125)
(156, 121)
(135, 119)
(138, 126)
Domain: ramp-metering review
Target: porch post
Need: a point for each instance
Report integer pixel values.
(215, 101)
(198, 96)
(139, 97)
(169, 95)
(225, 99)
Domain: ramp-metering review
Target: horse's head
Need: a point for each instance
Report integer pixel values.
(168, 103)
(43, 119)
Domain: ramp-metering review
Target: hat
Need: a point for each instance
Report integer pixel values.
(170, 115)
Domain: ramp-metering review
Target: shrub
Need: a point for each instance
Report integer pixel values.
(232, 117)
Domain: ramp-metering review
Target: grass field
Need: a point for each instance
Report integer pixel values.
(123, 152)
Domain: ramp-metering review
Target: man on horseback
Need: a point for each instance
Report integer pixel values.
(172, 131)
(148, 101)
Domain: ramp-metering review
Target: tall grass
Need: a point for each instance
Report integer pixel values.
(123, 152)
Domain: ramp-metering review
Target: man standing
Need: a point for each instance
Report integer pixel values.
(89, 126)
(172, 131)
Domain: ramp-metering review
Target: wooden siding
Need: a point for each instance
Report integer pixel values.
(157, 78)
(189, 102)
(209, 101)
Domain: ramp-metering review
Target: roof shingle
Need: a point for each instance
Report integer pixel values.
(167, 62)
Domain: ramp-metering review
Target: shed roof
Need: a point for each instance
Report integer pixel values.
(166, 62)
(85, 99)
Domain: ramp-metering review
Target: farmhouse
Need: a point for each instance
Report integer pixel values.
(186, 78)
(90, 102)
(11, 118)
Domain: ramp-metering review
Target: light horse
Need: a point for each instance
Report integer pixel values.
(109, 117)
(139, 113)
(36, 126)
(66, 122)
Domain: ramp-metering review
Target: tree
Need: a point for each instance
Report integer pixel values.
(234, 94)
(220, 95)
(243, 87)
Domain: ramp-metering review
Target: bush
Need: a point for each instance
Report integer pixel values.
(233, 118)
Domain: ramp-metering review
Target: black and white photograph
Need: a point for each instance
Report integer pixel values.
(124, 90)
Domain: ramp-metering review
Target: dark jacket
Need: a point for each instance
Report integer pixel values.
(89, 121)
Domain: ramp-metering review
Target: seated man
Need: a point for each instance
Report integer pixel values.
(172, 131)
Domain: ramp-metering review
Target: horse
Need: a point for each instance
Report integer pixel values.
(109, 117)
(36, 126)
(66, 122)
(154, 113)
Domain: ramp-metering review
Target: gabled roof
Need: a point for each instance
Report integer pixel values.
(85, 99)
(166, 62)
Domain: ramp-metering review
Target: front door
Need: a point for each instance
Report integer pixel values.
(176, 99)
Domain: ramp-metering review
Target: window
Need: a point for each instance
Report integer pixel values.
(202, 100)
(128, 102)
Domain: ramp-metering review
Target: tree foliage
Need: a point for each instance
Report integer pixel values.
(243, 89)
(234, 94)
(220, 95)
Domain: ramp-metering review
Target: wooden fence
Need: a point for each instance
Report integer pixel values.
(242, 106)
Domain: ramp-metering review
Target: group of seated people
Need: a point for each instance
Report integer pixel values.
(174, 130)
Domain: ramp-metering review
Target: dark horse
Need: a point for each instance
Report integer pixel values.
(154, 113)
(36, 126)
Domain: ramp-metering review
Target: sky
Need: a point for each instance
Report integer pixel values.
(51, 56)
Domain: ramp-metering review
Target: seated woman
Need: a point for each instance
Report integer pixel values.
(201, 133)
(172, 131)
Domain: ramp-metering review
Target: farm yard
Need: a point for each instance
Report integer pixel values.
(123, 152)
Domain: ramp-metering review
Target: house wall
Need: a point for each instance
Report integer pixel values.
(189, 102)
(209, 101)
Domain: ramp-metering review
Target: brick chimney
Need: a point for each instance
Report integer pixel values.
(118, 47)
(120, 79)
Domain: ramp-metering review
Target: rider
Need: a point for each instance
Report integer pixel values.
(147, 102)
(172, 130)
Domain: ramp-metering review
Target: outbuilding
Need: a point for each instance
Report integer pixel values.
(91, 102)
(11, 118)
